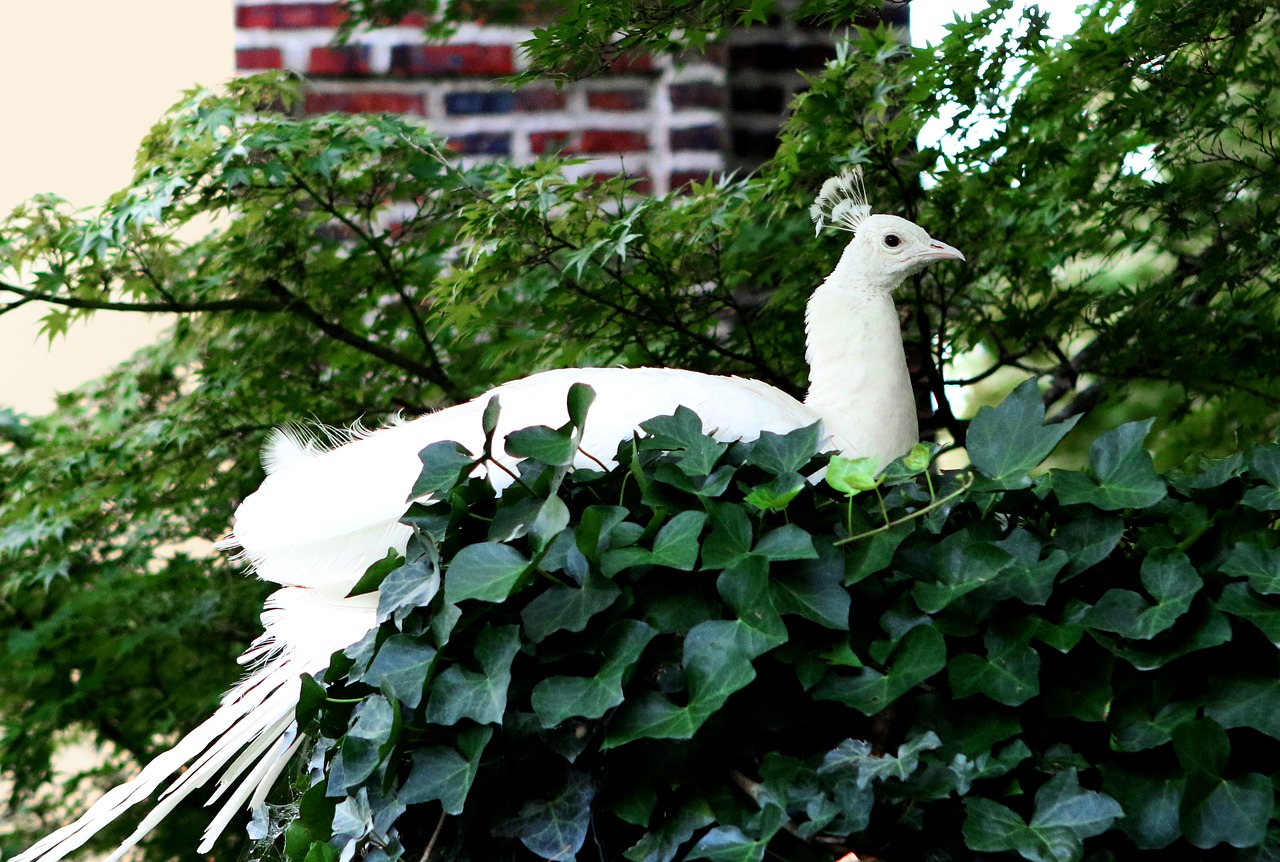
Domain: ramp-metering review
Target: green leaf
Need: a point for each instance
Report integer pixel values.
(1260, 565)
(961, 565)
(545, 445)
(1007, 441)
(783, 454)
(676, 545)
(682, 433)
(411, 585)
(852, 475)
(787, 542)
(442, 774)
(728, 844)
(400, 668)
(1150, 803)
(1089, 540)
(919, 655)
(487, 572)
(1239, 600)
(374, 575)
(730, 537)
(444, 464)
(559, 698)
(1064, 815)
(813, 590)
(459, 693)
(1246, 703)
(1123, 474)
(567, 608)
(1009, 674)
(556, 828)
(363, 746)
(579, 401)
(1235, 812)
(1170, 578)
(662, 844)
(777, 494)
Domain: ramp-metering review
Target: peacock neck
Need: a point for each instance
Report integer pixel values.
(858, 381)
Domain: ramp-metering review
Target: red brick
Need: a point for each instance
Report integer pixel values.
(617, 100)
(542, 143)
(609, 141)
(364, 103)
(258, 58)
(539, 99)
(430, 60)
(589, 141)
(289, 16)
(345, 60)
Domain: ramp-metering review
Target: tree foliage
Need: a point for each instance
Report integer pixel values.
(1117, 211)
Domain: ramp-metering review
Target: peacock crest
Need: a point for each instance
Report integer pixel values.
(842, 202)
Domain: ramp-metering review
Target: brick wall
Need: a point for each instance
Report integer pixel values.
(664, 121)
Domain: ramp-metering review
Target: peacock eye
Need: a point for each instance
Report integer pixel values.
(892, 240)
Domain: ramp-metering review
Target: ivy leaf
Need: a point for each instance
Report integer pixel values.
(1150, 805)
(851, 476)
(1009, 674)
(1007, 441)
(411, 585)
(487, 572)
(919, 655)
(1064, 815)
(676, 545)
(567, 608)
(783, 454)
(459, 693)
(440, 773)
(579, 401)
(1089, 540)
(1246, 703)
(559, 698)
(813, 590)
(787, 542)
(556, 447)
(363, 746)
(728, 844)
(1260, 565)
(1124, 476)
(400, 668)
(555, 828)
(1170, 578)
(444, 464)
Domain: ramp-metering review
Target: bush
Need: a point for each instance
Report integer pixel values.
(701, 655)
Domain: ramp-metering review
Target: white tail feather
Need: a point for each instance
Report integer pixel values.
(247, 742)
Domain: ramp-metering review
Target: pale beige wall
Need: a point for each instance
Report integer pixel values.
(81, 81)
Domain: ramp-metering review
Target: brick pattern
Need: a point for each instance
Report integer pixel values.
(668, 122)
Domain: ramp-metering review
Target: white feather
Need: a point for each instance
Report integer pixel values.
(322, 516)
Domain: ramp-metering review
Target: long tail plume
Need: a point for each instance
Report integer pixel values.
(246, 743)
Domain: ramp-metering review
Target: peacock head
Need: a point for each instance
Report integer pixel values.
(885, 249)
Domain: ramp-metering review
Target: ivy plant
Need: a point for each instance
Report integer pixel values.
(674, 660)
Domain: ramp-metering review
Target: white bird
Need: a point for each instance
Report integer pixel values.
(321, 518)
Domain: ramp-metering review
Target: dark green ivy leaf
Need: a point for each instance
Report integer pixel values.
(1007, 441)
(1123, 475)
(487, 571)
(444, 464)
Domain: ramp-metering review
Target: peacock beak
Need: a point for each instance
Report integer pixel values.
(941, 251)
